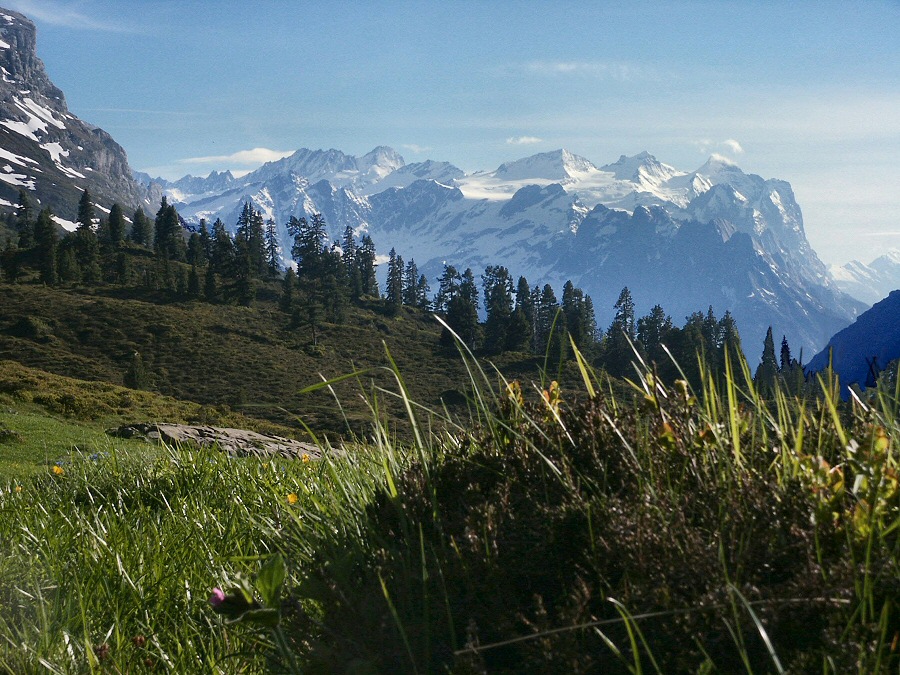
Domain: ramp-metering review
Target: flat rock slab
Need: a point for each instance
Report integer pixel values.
(235, 442)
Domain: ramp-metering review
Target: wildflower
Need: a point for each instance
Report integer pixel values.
(18, 488)
(58, 470)
(293, 498)
(305, 457)
(217, 597)
(102, 651)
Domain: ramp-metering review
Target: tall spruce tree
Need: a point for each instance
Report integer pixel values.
(24, 222)
(394, 289)
(142, 229)
(498, 304)
(45, 247)
(410, 284)
(85, 243)
(767, 372)
(115, 226)
(273, 250)
(365, 260)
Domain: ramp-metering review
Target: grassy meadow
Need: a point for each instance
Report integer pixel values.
(553, 530)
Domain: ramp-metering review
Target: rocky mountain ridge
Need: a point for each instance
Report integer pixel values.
(44, 149)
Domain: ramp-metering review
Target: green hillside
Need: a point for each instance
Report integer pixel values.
(247, 358)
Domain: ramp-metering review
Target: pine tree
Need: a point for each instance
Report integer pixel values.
(652, 332)
(410, 284)
(394, 289)
(620, 336)
(273, 250)
(365, 259)
(136, 376)
(462, 311)
(448, 288)
(286, 302)
(767, 371)
(115, 226)
(222, 249)
(205, 241)
(169, 240)
(45, 247)
(785, 361)
(423, 294)
(24, 223)
(142, 229)
(85, 217)
(10, 260)
(498, 304)
(350, 260)
(522, 321)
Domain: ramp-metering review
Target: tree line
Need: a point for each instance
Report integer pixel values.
(212, 265)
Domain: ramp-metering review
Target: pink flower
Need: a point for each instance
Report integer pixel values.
(217, 597)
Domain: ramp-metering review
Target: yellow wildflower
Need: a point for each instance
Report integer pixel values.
(58, 470)
(293, 498)
(305, 457)
(18, 488)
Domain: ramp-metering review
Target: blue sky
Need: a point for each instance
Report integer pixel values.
(804, 91)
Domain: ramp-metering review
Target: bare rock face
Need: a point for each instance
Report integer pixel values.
(49, 152)
(234, 442)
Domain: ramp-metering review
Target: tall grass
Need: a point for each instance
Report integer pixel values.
(665, 530)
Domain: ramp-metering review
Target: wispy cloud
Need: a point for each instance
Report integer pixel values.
(412, 147)
(67, 14)
(145, 111)
(733, 145)
(707, 146)
(255, 156)
(523, 140)
(601, 70)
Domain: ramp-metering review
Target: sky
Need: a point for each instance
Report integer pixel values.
(808, 92)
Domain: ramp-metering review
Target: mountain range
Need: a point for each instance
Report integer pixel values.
(684, 239)
(869, 283)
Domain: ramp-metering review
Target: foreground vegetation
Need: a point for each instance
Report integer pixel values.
(668, 530)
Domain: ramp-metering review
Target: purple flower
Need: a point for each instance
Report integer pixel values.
(217, 597)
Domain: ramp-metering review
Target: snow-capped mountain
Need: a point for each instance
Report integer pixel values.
(869, 283)
(44, 149)
(685, 239)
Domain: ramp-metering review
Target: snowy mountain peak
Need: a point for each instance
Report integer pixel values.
(719, 168)
(379, 163)
(557, 165)
(641, 168)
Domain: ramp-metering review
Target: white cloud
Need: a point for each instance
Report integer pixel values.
(733, 145)
(64, 14)
(523, 140)
(255, 156)
(412, 147)
(608, 70)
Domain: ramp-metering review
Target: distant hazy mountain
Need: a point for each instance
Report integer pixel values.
(869, 283)
(44, 149)
(866, 346)
(685, 239)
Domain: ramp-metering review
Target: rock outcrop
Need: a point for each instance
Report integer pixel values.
(234, 442)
